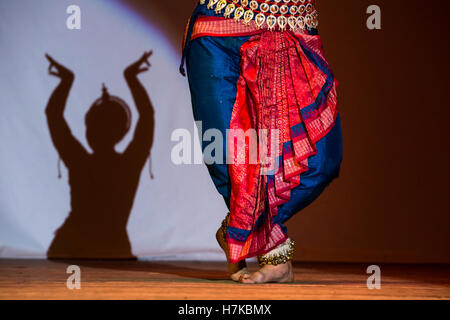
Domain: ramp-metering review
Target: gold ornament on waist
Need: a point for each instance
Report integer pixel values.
(269, 14)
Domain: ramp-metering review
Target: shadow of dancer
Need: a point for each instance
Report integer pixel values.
(103, 183)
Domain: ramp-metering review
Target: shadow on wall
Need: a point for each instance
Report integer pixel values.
(103, 184)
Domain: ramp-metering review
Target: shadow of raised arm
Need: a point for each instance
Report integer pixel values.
(67, 145)
(139, 148)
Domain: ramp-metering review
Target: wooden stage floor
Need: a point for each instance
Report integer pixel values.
(42, 279)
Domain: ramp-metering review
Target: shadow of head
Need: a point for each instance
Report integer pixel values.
(107, 122)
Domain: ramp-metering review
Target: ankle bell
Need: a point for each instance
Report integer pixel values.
(280, 255)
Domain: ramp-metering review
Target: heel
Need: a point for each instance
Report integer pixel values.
(221, 233)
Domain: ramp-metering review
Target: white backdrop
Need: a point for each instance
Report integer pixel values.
(176, 214)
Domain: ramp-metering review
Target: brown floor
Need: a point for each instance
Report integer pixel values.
(41, 279)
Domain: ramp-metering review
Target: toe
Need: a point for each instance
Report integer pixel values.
(256, 277)
(237, 275)
(246, 279)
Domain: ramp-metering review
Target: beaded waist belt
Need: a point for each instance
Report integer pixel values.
(270, 14)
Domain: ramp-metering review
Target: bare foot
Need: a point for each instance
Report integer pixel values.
(282, 273)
